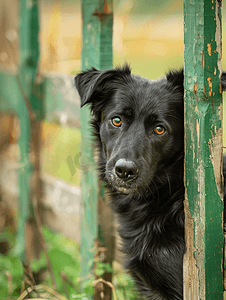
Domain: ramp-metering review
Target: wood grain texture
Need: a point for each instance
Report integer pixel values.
(203, 275)
(27, 102)
(96, 52)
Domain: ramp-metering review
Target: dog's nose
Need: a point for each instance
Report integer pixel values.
(126, 169)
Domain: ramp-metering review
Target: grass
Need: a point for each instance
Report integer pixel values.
(65, 260)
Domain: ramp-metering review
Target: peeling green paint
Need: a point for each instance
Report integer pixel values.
(96, 52)
(28, 66)
(203, 153)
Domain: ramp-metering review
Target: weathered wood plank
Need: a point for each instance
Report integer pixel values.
(96, 52)
(27, 102)
(203, 275)
(58, 97)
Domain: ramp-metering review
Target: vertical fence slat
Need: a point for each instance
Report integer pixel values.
(96, 52)
(28, 64)
(203, 275)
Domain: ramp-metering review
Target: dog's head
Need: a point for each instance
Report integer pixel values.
(140, 125)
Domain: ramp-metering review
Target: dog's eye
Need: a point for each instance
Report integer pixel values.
(117, 122)
(159, 130)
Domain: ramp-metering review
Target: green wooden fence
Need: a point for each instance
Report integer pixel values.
(203, 275)
(203, 267)
(19, 95)
(96, 52)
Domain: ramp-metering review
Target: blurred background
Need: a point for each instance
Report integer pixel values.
(146, 34)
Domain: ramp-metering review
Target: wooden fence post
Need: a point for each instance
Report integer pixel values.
(28, 101)
(203, 261)
(96, 52)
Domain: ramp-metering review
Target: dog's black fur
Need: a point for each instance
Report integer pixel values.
(139, 125)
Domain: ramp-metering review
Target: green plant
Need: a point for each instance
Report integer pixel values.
(65, 260)
(10, 276)
(101, 268)
(124, 284)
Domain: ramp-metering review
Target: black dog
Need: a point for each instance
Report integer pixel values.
(139, 125)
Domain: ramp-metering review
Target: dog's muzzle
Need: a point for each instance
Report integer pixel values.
(126, 170)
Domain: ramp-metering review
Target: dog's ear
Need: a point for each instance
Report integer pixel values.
(96, 86)
(176, 78)
(223, 80)
(85, 83)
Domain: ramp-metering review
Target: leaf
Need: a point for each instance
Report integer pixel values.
(99, 272)
(60, 260)
(88, 287)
